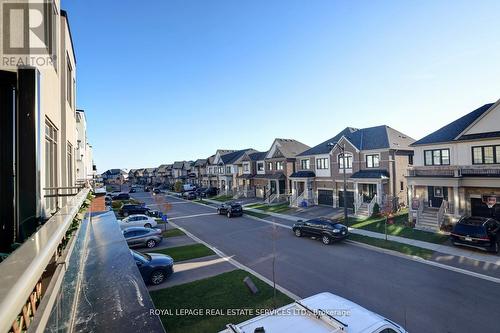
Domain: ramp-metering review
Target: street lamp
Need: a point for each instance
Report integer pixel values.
(342, 149)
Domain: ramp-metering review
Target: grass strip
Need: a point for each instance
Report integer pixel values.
(173, 233)
(394, 246)
(219, 293)
(186, 252)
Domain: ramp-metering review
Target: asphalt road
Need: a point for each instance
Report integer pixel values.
(421, 297)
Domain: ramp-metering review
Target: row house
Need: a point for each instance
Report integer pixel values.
(38, 121)
(149, 175)
(457, 170)
(164, 174)
(210, 179)
(250, 164)
(227, 168)
(114, 176)
(376, 160)
(85, 169)
(200, 170)
(273, 170)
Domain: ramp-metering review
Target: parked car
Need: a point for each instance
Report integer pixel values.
(121, 196)
(210, 191)
(478, 232)
(130, 209)
(155, 213)
(132, 190)
(140, 236)
(324, 229)
(320, 313)
(188, 187)
(230, 209)
(154, 267)
(189, 195)
(137, 220)
(156, 191)
(108, 201)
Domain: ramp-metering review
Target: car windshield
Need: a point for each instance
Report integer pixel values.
(474, 230)
(140, 256)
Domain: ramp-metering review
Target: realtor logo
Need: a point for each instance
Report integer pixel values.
(28, 30)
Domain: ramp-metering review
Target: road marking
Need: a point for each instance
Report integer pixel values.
(238, 264)
(189, 216)
(395, 253)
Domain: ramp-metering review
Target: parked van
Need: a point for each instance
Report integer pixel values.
(320, 313)
(188, 187)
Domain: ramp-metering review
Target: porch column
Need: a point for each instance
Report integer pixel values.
(356, 194)
(456, 201)
(379, 192)
(294, 187)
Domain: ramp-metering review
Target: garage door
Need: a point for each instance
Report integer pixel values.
(325, 197)
(479, 208)
(349, 199)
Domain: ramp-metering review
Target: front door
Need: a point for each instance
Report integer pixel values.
(300, 188)
(273, 189)
(368, 191)
(436, 195)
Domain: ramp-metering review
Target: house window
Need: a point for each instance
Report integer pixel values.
(437, 157)
(372, 161)
(270, 165)
(50, 163)
(305, 164)
(246, 167)
(279, 165)
(228, 169)
(69, 82)
(260, 166)
(486, 155)
(348, 161)
(401, 186)
(321, 163)
(410, 159)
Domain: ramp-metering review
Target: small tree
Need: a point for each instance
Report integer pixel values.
(178, 186)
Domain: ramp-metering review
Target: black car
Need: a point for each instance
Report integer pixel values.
(140, 236)
(230, 209)
(477, 232)
(209, 192)
(121, 196)
(130, 209)
(154, 267)
(327, 230)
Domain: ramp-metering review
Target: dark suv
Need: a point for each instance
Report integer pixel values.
(477, 232)
(230, 209)
(326, 230)
(131, 209)
(121, 196)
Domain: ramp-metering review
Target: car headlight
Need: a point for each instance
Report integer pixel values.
(335, 231)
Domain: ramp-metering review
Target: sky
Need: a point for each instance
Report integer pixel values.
(168, 80)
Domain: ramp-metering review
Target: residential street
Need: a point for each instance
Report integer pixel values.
(422, 297)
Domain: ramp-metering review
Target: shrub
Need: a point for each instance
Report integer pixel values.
(376, 210)
(116, 204)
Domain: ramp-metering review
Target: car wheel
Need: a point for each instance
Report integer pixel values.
(148, 225)
(151, 243)
(298, 233)
(229, 214)
(157, 277)
(326, 240)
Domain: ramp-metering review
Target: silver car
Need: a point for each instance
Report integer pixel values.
(140, 237)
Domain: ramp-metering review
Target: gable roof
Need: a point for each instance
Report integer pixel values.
(200, 162)
(234, 156)
(258, 156)
(289, 148)
(178, 165)
(452, 131)
(370, 138)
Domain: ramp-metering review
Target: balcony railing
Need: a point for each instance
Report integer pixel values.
(454, 171)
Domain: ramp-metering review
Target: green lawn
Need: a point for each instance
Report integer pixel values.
(280, 208)
(186, 252)
(221, 292)
(173, 233)
(223, 198)
(259, 215)
(394, 246)
(397, 229)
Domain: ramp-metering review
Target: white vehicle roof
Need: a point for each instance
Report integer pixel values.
(320, 313)
(133, 215)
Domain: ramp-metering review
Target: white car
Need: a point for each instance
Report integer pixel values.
(319, 313)
(137, 220)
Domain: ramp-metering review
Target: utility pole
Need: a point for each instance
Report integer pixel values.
(342, 149)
